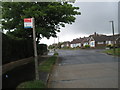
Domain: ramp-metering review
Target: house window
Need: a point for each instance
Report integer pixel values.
(100, 43)
(85, 44)
(92, 43)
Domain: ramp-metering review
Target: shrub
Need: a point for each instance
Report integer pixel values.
(42, 49)
(87, 46)
(15, 49)
(55, 53)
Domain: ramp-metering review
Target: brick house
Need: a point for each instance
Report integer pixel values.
(98, 40)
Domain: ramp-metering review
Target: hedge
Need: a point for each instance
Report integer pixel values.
(13, 50)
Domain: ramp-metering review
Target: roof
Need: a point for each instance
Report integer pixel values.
(80, 40)
(101, 38)
(115, 36)
(85, 39)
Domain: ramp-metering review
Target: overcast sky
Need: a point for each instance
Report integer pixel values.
(95, 17)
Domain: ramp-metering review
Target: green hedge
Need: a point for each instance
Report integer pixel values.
(42, 49)
(87, 46)
(13, 50)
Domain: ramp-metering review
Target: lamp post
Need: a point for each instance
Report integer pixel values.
(113, 36)
(54, 45)
(58, 43)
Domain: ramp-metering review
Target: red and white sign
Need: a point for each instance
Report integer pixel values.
(28, 23)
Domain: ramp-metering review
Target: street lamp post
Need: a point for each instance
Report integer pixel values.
(113, 36)
(58, 43)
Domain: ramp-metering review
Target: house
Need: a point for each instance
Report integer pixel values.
(65, 44)
(99, 40)
(118, 41)
(85, 41)
(94, 40)
(77, 43)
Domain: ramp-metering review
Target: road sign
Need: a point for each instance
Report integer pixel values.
(28, 23)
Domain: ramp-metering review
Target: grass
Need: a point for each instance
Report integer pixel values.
(55, 53)
(117, 52)
(44, 67)
(47, 65)
(32, 84)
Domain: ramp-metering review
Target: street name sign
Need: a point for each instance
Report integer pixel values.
(28, 23)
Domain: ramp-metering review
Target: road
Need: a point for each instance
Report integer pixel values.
(85, 69)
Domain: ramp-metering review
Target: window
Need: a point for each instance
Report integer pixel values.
(100, 43)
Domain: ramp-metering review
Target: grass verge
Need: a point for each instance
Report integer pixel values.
(44, 67)
(110, 51)
(55, 53)
(32, 84)
(47, 65)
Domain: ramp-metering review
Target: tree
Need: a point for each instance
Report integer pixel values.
(49, 17)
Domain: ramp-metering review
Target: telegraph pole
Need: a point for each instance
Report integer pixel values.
(113, 36)
(35, 51)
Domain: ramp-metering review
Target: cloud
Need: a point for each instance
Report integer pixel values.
(95, 17)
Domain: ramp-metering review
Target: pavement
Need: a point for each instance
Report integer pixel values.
(85, 69)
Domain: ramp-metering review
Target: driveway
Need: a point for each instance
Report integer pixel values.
(85, 69)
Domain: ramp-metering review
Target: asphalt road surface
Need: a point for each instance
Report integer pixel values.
(85, 69)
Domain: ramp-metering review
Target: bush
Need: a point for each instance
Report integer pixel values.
(87, 46)
(109, 45)
(13, 49)
(78, 47)
(42, 49)
(55, 53)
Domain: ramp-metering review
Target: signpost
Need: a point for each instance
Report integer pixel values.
(30, 23)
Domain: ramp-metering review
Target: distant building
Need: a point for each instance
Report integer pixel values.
(65, 44)
(94, 40)
(97, 40)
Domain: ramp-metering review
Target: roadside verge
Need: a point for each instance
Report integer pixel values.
(45, 69)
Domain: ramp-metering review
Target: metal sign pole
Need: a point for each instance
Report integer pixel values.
(35, 51)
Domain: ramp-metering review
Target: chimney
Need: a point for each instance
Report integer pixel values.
(95, 34)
